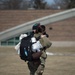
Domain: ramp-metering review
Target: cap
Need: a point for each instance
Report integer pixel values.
(35, 26)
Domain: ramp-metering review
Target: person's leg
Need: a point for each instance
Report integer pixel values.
(31, 68)
(42, 61)
(41, 67)
(40, 70)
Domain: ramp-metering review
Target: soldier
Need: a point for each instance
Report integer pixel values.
(46, 44)
(33, 65)
(36, 67)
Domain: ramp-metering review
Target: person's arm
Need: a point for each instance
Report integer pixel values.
(38, 38)
(46, 34)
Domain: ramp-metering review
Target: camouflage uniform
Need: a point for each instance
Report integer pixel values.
(33, 65)
(37, 67)
(43, 57)
(45, 43)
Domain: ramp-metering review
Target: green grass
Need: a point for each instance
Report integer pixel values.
(11, 64)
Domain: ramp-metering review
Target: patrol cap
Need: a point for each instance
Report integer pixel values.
(35, 26)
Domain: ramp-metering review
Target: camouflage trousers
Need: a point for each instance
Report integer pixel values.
(36, 68)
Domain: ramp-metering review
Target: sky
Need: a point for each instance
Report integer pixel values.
(50, 1)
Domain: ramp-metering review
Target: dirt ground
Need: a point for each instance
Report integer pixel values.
(11, 64)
